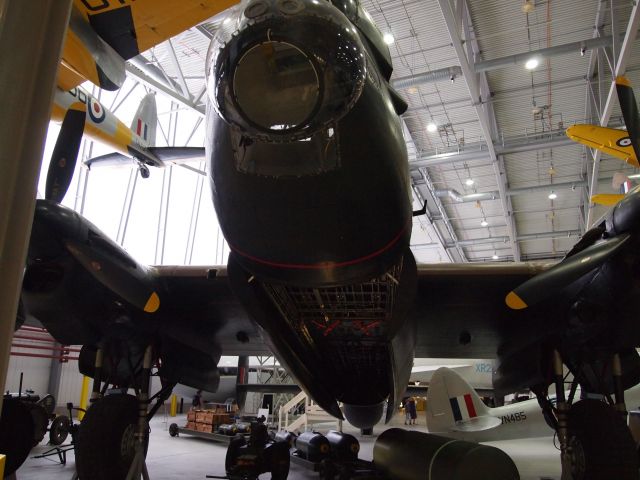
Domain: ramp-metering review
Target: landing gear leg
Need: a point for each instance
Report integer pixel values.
(138, 466)
(113, 436)
(562, 417)
(595, 442)
(617, 386)
(97, 376)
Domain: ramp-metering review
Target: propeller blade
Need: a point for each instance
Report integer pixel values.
(629, 109)
(118, 273)
(564, 273)
(65, 153)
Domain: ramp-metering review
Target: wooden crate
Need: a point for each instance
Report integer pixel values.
(220, 418)
(191, 416)
(191, 425)
(208, 417)
(204, 427)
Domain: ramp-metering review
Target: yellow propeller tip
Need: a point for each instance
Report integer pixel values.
(622, 80)
(514, 302)
(79, 107)
(153, 304)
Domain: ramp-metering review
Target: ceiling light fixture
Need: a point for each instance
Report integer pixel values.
(469, 182)
(553, 195)
(531, 63)
(495, 257)
(484, 222)
(432, 127)
(528, 6)
(388, 38)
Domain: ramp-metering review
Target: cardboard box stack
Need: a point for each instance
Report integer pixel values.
(207, 420)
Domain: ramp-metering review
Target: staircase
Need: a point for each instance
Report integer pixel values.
(313, 415)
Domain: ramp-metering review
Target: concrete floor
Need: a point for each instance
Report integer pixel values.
(186, 457)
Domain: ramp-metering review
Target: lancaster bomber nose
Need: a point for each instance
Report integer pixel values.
(286, 69)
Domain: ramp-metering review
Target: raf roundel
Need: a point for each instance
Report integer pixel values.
(624, 142)
(96, 112)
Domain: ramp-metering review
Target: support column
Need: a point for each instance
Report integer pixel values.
(31, 37)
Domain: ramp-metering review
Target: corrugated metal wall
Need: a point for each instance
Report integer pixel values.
(36, 372)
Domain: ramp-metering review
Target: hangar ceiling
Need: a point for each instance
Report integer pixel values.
(485, 135)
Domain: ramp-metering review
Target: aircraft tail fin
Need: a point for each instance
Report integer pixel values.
(453, 405)
(145, 121)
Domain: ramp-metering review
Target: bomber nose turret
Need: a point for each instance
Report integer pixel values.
(281, 70)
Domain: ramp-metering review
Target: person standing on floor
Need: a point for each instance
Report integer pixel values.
(407, 417)
(411, 410)
(196, 404)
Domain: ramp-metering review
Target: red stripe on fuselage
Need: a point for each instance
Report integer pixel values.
(325, 265)
(469, 402)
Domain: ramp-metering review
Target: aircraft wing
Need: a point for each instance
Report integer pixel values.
(132, 26)
(607, 199)
(103, 34)
(460, 308)
(204, 299)
(610, 140)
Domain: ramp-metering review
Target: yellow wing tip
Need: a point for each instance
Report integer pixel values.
(622, 80)
(153, 304)
(514, 302)
(580, 132)
(572, 131)
(606, 199)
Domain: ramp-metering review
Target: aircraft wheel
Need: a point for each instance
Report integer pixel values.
(59, 430)
(601, 444)
(233, 451)
(16, 434)
(106, 439)
(278, 460)
(144, 171)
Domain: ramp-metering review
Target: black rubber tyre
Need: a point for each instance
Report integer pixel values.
(16, 434)
(59, 430)
(602, 445)
(173, 430)
(232, 452)
(278, 460)
(105, 447)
